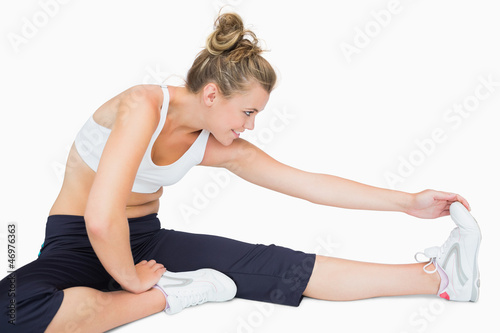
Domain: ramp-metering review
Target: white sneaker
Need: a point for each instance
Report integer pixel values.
(456, 260)
(185, 289)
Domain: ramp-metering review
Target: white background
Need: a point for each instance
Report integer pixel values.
(356, 119)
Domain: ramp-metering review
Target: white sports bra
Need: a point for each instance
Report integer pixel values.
(92, 138)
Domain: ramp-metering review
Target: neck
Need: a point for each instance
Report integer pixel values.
(185, 111)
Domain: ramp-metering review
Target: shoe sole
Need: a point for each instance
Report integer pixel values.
(464, 220)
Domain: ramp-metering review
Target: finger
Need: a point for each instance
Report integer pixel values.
(158, 266)
(463, 202)
(159, 273)
(446, 196)
(152, 262)
(159, 270)
(142, 262)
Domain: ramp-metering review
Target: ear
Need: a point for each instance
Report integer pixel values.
(210, 94)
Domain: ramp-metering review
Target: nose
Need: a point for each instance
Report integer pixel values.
(250, 123)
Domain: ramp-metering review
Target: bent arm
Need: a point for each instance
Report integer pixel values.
(105, 213)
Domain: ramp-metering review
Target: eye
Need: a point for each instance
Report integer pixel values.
(248, 113)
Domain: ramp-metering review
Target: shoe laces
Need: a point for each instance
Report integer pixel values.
(431, 261)
(433, 253)
(191, 298)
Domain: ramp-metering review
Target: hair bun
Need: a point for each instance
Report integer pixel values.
(229, 36)
(231, 60)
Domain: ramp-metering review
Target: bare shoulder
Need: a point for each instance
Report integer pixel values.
(145, 98)
(143, 93)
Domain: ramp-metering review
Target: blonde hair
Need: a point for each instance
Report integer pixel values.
(231, 59)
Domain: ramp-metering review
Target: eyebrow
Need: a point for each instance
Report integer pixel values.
(252, 109)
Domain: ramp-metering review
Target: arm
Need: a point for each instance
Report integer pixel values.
(105, 216)
(252, 164)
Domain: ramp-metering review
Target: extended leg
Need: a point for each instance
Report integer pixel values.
(89, 310)
(342, 280)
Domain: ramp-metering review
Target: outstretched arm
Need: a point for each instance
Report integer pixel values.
(252, 164)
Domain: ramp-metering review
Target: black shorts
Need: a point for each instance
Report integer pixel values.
(31, 296)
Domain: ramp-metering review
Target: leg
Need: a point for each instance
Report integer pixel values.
(64, 283)
(279, 275)
(44, 290)
(89, 310)
(342, 280)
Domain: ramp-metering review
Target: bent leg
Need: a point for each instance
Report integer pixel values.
(45, 288)
(342, 280)
(91, 300)
(89, 310)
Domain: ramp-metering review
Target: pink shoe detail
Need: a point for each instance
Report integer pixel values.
(445, 295)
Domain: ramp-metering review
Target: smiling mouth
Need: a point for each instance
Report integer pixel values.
(236, 133)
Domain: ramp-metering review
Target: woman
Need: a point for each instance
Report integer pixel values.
(103, 228)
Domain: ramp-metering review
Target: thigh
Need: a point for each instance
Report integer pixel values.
(267, 273)
(34, 293)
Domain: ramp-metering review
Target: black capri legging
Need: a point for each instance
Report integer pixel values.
(31, 296)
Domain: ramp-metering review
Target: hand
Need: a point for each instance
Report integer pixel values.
(430, 204)
(148, 274)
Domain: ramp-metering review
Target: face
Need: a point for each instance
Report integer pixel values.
(230, 117)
